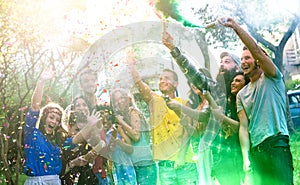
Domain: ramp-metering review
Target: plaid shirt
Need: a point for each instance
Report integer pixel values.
(213, 136)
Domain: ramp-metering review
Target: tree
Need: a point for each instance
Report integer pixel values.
(24, 54)
(271, 29)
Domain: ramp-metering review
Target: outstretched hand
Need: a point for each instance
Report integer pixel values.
(168, 40)
(227, 22)
(47, 74)
(196, 90)
(95, 119)
(79, 161)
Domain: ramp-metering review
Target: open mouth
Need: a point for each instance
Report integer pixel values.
(245, 67)
(51, 126)
(222, 70)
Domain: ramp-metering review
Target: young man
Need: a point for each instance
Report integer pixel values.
(226, 165)
(168, 134)
(261, 107)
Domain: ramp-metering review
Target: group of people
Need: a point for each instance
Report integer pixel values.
(232, 130)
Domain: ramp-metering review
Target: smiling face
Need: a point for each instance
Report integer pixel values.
(88, 82)
(248, 63)
(237, 84)
(227, 64)
(52, 121)
(80, 105)
(167, 82)
(120, 101)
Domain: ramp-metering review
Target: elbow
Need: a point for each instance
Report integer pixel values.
(35, 106)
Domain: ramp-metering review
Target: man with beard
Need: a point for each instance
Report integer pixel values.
(227, 165)
(227, 162)
(261, 107)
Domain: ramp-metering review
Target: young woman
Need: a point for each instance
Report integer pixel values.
(84, 134)
(42, 139)
(138, 130)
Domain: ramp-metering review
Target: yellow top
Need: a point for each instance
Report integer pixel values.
(168, 136)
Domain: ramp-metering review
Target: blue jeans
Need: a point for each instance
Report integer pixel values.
(169, 175)
(146, 175)
(272, 162)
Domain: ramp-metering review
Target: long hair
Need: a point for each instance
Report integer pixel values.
(231, 104)
(132, 107)
(59, 133)
(124, 93)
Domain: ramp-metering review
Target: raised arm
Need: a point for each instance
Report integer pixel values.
(37, 96)
(143, 88)
(261, 58)
(194, 76)
(218, 113)
(193, 113)
(133, 128)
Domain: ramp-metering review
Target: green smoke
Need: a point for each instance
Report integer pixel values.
(170, 8)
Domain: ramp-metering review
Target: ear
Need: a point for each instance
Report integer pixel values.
(237, 68)
(175, 84)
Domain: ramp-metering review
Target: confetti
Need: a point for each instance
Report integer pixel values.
(45, 167)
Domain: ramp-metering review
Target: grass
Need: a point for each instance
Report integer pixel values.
(295, 149)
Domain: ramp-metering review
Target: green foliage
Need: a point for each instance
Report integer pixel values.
(23, 56)
(295, 145)
(292, 84)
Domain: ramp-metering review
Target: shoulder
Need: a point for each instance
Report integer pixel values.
(180, 100)
(33, 112)
(244, 90)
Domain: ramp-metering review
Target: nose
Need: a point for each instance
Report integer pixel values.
(221, 64)
(233, 82)
(243, 60)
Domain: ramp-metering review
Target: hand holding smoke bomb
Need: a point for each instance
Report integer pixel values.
(211, 25)
(198, 79)
(217, 22)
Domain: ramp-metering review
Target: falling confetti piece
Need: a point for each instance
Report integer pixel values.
(45, 166)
